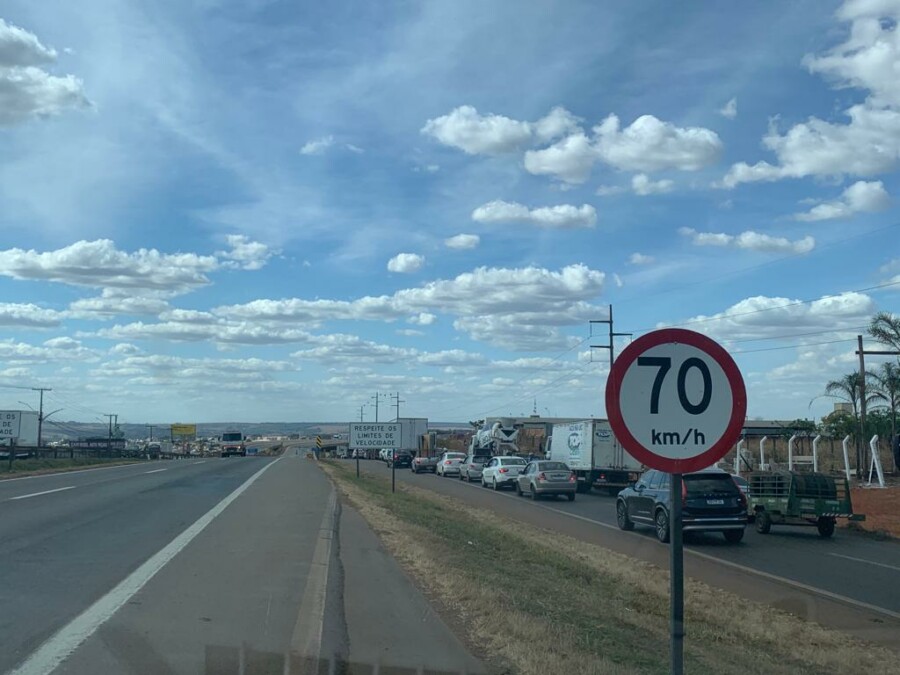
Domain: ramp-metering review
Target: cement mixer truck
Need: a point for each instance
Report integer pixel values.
(495, 437)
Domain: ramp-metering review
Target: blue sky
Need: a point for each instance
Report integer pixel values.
(251, 211)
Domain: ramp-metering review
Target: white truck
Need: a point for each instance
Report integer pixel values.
(233, 443)
(495, 438)
(592, 452)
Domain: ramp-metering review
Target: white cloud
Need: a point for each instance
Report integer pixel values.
(570, 159)
(610, 190)
(730, 109)
(641, 259)
(339, 347)
(244, 253)
(463, 242)
(870, 58)
(354, 148)
(650, 144)
(317, 146)
(100, 264)
(26, 90)
(116, 302)
(643, 186)
(861, 197)
(869, 143)
(409, 332)
(749, 240)
(762, 316)
(618, 280)
(124, 349)
(476, 134)
(220, 332)
(557, 123)
(561, 216)
(54, 349)
(422, 319)
(27, 315)
(405, 263)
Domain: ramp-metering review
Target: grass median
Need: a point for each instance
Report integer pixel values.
(30, 467)
(540, 602)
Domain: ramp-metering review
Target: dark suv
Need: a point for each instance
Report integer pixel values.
(710, 501)
(401, 459)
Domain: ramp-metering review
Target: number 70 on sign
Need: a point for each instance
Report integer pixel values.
(676, 400)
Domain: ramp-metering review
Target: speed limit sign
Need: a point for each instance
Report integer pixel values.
(676, 400)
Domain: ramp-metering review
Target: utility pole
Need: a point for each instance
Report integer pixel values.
(397, 402)
(361, 409)
(151, 426)
(109, 434)
(377, 397)
(611, 346)
(41, 412)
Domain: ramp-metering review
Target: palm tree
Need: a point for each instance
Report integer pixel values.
(885, 328)
(847, 388)
(886, 388)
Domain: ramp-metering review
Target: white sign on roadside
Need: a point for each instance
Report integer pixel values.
(375, 435)
(9, 424)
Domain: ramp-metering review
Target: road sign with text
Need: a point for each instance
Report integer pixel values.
(676, 400)
(375, 435)
(9, 424)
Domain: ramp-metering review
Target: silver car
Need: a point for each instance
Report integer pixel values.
(547, 478)
(472, 466)
(449, 463)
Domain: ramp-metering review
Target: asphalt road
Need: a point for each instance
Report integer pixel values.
(213, 565)
(848, 582)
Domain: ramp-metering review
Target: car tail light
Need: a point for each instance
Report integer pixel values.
(447, 462)
(572, 478)
(683, 493)
(504, 470)
(542, 476)
(602, 476)
(743, 498)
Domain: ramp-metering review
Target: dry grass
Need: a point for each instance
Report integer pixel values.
(540, 602)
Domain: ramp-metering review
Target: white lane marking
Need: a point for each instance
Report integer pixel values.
(749, 570)
(156, 470)
(3, 481)
(863, 560)
(306, 639)
(66, 640)
(196, 463)
(38, 494)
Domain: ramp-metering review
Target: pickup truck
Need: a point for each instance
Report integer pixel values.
(420, 464)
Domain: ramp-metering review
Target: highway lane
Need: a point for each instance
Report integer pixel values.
(791, 568)
(210, 565)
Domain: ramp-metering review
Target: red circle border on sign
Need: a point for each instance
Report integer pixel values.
(738, 393)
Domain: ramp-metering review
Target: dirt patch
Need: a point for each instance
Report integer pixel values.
(40, 467)
(541, 602)
(881, 507)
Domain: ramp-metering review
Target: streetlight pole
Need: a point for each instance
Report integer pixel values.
(41, 412)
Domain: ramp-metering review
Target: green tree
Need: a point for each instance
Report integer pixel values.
(885, 328)
(848, 389)
(886, 392)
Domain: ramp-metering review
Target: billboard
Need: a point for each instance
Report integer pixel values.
(184, 431)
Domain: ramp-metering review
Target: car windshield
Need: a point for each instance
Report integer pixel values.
(512, 461)
(698, 484)
(552, 466)
(481, 459)
(455, 455)
(233, 436)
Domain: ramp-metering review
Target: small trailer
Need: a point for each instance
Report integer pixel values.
(792, 498)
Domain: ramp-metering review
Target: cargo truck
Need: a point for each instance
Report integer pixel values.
(590, 450)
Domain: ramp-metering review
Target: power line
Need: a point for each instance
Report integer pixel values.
(796, 335)
(795, 346)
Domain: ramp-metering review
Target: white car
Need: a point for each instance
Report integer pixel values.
(449, 463)
(502, 472)
(384, 454)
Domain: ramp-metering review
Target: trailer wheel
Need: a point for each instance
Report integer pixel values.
(763, 522)
(825, 525)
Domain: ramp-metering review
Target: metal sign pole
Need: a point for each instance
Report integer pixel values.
(393, 471)
(357, 462)
(676, 578)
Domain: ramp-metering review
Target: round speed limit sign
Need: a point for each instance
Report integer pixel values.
(676, 400)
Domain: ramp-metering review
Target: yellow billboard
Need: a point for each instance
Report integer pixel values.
(184, 430)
